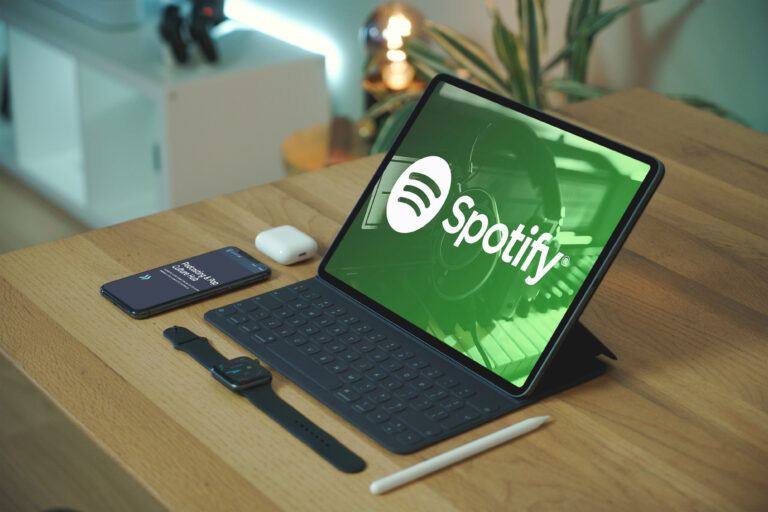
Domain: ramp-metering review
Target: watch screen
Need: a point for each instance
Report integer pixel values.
(484, 226)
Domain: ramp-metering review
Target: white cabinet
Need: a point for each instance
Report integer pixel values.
(105, 126)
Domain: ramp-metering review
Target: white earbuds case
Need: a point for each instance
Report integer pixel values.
(286, 244)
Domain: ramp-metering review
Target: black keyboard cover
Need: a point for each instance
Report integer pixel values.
(401, 392)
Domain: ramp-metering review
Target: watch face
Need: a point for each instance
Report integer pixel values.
(242, 373)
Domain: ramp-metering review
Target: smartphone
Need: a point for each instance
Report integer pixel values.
(185, 281)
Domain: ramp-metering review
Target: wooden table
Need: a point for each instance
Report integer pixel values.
(680, 422)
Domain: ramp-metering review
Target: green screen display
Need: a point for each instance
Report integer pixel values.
(484, 226)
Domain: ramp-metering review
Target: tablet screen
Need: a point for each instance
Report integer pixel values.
(483, 227)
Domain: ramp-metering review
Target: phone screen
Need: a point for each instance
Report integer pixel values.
(197, 276)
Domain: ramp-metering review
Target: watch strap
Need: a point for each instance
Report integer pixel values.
(324, 444)
(272, 405)
(194, 345)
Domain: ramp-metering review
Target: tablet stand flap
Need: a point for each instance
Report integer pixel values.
(575, 362)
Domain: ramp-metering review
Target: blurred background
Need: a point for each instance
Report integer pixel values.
(115, 110)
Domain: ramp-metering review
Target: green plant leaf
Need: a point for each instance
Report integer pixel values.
(390, 104)
(531, 26)
(709, 106)
(391, 128)
(467, 54)
(420, 53)
(595, 23)
(576, 89)
(507, 46)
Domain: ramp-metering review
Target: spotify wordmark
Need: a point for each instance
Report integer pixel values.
(421, 191)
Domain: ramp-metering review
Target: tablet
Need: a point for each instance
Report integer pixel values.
(487, 227)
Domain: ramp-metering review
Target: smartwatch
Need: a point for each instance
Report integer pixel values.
(246, 376)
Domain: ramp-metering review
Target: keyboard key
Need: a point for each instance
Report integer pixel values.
(437, 414)
(418, 364)
(264, 337)
(409, 438)
(377, 374)
(312, 312)
(297, 321)
(433, 373)
(226, 310)
(323, 358)
(406, 394)
(300, 305)
(349, 356)
(362, 328)
(336, 311)
(364, 406)
(322, 338)
(485, 403)
(349, 339)
(365, 347)
(391, 385)
(419, 422)
(246, 306)
(323, 303)
(394, 407)
(310, 295)
(464, 392)
(364, 387)
(421, 384)
(392, 365)
(362, 365)
(448, 382)
(381, 396)
(404, 355)
(259, 315)
(283, 294)
(350, 320)
(459, 417)
(285, 313)
(406, 375)
(336, 367)
(336, 330)
(273, 323)
(378, 417)
(309, 329)
(238, 318)
(324, 321)
(378, 356)
(250, 326)
(351, 378)
(421, 404)
(297, 287)
(267, 302)
(436, 394)
(375, 337)
(335, 347)
(348, 394)
(393, 428)
(310, 349)
(297, 340)
(284, 331)
(391, 345)
(451, 405)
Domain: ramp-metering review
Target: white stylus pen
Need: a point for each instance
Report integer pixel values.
(457, 454)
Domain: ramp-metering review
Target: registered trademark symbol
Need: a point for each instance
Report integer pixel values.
(565, 261)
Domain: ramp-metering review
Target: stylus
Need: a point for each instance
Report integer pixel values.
(456, 455)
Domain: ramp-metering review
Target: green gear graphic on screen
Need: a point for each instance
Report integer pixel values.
(483, 227)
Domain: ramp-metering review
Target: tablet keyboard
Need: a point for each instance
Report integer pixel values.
(402, 393)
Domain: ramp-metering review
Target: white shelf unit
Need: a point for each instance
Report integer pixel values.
(106, 126)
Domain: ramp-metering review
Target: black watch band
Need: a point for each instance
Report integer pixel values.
(260, 393)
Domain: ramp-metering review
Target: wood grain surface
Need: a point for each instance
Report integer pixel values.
(679, 422)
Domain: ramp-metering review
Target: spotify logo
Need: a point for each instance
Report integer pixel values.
(418, 194)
